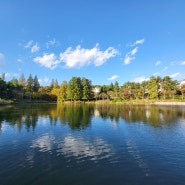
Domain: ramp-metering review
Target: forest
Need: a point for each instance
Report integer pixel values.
(81, 89)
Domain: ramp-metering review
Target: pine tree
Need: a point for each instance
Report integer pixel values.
(86, 89)
(3, 76)
(36, 84)
(30, 83)
(77, 88)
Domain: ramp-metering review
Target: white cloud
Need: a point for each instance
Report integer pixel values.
(158, 63)
(35, 48)
(175, 75)
(140, 79)
(130, 56)
(114, 77)
(137, 42)
(128, 59)
(183, 63)
(29, 44)
(2, 60)
(52, 43)
(80, 57)
(134, 51)
(47, 60)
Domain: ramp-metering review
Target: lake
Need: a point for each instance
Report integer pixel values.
(46, 144)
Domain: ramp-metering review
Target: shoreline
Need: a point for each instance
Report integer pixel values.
(168, 103)
(131, 102)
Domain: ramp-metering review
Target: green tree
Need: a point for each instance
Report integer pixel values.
(86, 89)
(3, 76)
(62, 94)
(153, 87)
(77, 88)
(69, 91)
(3, 88)
(29, 83)
(169, 87)
(36, 84)
(74, 89)
(116, 89)
(182, 90)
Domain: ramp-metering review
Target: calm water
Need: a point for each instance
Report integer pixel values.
(92, 145)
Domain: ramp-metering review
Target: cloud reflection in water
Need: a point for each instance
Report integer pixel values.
(81, 148)
(78, 147)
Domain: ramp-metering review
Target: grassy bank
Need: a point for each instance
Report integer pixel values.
(139, 102)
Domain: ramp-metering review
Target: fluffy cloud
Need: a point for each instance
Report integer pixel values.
(2, 60)
(183, 63)
(47, 60)
(114, 77)
(130, 56)
(80, 57)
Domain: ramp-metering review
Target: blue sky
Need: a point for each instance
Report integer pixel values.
(102, 40)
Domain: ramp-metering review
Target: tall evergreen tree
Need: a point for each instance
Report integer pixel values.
(77, 88)
(29, 83)
(36, 84)
(86, 89)
(3, 76)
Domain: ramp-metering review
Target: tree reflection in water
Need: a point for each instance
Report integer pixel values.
(78, 116)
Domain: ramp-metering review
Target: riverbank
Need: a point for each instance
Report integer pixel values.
(139, 102)
(169, 103)
(134, 102)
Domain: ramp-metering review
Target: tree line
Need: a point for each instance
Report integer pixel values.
(81, 89)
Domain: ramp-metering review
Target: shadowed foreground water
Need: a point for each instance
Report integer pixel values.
(92, 145)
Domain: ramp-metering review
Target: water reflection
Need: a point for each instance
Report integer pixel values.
(81, 148)
(92, 144)
(44, 143)
(79, 116)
